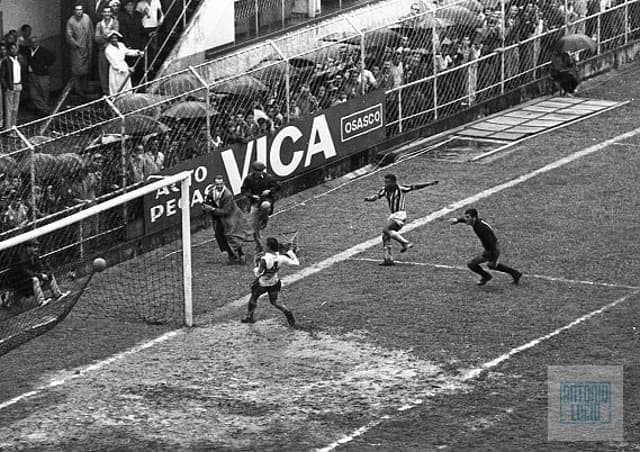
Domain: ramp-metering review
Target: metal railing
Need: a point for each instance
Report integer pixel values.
(94, 150)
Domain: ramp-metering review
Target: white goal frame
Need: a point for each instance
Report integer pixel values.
(183, 179)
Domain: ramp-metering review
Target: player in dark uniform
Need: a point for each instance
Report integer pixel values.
(395, 195)
(268, 281)
(260, 188)
(491, 250)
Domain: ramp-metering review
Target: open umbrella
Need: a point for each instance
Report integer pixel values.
(322, 56)
(69, 163)
(459, 15)
(269, 71)
(178, 84)
(137, 101)
(135, 124)
(573, 43)
(244, 85)
(189, 110)
(380, 37)
(45, 165)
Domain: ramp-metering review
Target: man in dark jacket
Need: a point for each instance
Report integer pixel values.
(11, 81)
(39, 62)
(28, 275)
(260, 188)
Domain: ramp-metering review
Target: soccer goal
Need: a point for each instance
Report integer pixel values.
(147, 278)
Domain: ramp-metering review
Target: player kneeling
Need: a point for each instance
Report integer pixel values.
(268, 280)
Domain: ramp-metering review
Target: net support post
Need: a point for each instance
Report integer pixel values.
(32, 172)
(207, 100)
(186, 250)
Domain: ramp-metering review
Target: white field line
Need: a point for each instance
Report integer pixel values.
(473, 373)
(340, 257)
(524, 275)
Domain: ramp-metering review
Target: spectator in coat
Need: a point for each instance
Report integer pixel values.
(229, 224)
(119, 71)
(564, 73)
(39, 61)
(11, 81)
(79, 36)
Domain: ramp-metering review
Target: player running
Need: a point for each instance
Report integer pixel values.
(491, 250)
(395, 194)
(268, 280)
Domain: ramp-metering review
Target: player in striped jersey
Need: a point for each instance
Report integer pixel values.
(268, 281)
(491, 250)
(395, 194)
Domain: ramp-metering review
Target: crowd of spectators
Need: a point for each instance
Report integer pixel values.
(316, 83)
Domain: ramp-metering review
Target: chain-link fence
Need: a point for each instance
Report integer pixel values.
(431, 62)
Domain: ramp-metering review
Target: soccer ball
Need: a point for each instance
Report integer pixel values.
(99, 264)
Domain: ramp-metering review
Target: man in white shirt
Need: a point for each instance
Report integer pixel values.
(268, 281)
(152, 18)
(11, 80)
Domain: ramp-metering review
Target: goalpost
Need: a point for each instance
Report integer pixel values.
(148, 278)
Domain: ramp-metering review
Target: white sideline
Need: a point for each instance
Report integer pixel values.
(340, 257)
(473, 373)
(525, 275)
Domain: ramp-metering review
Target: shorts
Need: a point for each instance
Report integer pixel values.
(257, 289)
(491, 256)
(399, 217)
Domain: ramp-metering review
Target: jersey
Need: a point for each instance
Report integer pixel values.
(396, 197)
(269, 265)
(485, 233)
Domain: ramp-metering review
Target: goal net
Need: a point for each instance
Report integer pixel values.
(51, 271)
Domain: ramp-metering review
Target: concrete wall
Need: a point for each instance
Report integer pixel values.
(44, 17)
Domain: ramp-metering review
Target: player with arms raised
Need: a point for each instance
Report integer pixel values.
(268, 281)
(395, 194)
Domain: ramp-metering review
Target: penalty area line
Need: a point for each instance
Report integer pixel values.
(340, 257)
(471, 374)
(525, 275)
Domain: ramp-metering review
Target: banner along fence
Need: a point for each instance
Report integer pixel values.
(430, 61)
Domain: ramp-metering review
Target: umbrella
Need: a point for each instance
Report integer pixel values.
(320, 56)
(268, 71)
(46, 165)
(459, 15)
(245, 85)
(70, 163)
(573, 43)
(135, 124)
(177, 84)
(338, 36)
(137, 101)
(189, 110)
(380, 37)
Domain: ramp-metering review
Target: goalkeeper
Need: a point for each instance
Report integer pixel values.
(268, 281)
